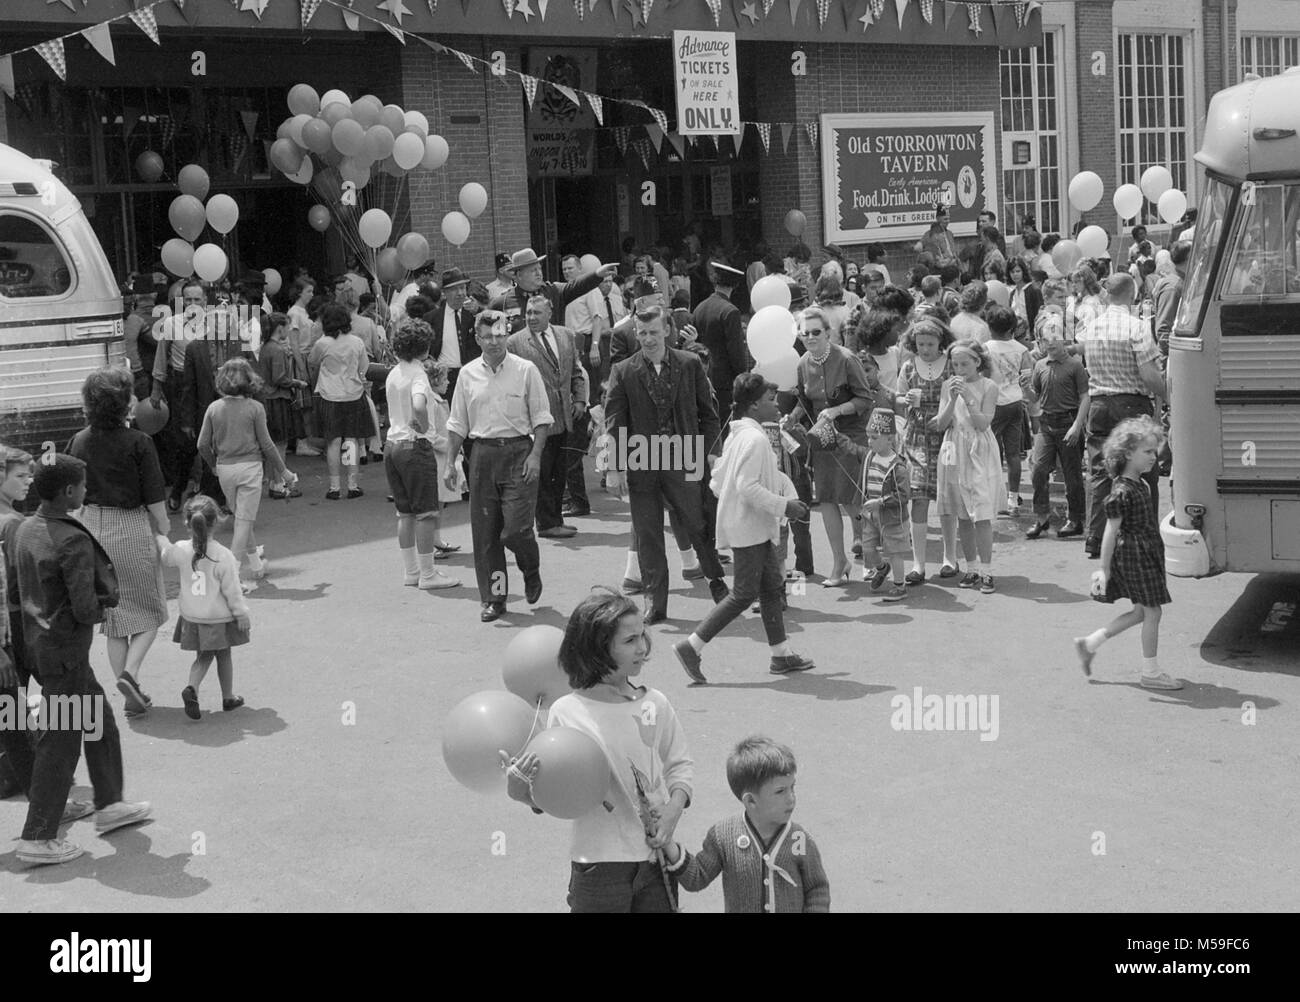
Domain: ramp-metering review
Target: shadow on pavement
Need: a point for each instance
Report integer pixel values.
(835, 687)
(1041, 592)
(132, 868)
(1235, 641)
(1199, 695)
(214, 729)
(268, 590)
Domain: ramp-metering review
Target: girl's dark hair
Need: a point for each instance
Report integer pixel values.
(746, 390)
(417, 308)
(800, 252)
(876, 326)
(478, 292)
(1033, 240)
(918, 274)
(875, 252)
(201, 514)
(994, 270)
(412, 339)
(584, 652)
(1088, 277)
(983, 363)
(335, 319)
(1018, 264)
(271, 322)
(295, 290)
(928, 324)
(1050, 241)
(106, 397)
(895, 300)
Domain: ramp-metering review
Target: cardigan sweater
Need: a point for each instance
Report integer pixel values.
(751, 490)
(787, 878)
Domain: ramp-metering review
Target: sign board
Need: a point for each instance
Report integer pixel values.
(720, 190)
(707, 83)
(561, 136)
(883, 175)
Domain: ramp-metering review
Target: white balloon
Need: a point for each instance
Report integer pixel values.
(1093, 241)
(770, 290)
(1127, 200)
(998, 292)
(295, 128)
(1156, 181)
(770, 333)
(331, 96)
(305, 172)
(590, 264)
(782, 370)
(416, 120)
(209, 262)
(1172, 205)
(1085, 190)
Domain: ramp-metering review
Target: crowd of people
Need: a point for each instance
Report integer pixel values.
(906, 397)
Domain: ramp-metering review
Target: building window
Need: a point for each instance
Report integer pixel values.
(1269, 55)
(1030, 104)
(1154, 127)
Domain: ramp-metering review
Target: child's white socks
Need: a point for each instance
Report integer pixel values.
(1094, 640)
(408, 561)
(689, 560)
(633, 571)
(696, 643)
(1150, 666)
(781, 650)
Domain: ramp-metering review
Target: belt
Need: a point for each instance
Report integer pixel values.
(501, 441)
(409, 443)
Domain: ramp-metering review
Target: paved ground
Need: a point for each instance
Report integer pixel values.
(295, 809)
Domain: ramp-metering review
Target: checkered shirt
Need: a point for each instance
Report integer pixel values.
(1114, 346)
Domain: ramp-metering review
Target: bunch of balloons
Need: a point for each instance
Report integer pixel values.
(188, 215)
(1156, 185)
(770, 335)
(573, 774)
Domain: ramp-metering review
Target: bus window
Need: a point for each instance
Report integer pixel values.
(32, 262)
(1209, 227)
(1262, 262)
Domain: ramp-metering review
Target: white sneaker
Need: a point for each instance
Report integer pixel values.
(437, 580)
(42, 853)
(410, 580)
(1162, 681)
(75, 810)
(307, 450)
(1013, 504)
(118, 815)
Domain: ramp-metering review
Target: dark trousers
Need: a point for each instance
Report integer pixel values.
(15, 743)
(501, 512)
(649, 493)
(1050, 448)
(618, 888)
(757, 574)
(800, 529)
(58, 750)
(575, 475)
(1104, 413)
(550, 487)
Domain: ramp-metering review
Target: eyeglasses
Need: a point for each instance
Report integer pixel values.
(805, 334)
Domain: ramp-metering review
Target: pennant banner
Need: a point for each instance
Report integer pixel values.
(397, 33)
(144, 20)
(530, 88)
(541, 8)
(467, 60)
(642, 147)
(678, 144)
(568, 92)
(250, 123)
(823, 12)
(52, 53)
(787, 129)
(309, 8)
(646, 6)
(581, 7)
(765, 134)
(927, 11)
(973, 11)
(812, 133)
(620, 137)
(877, 8)
(901, 7)
(597, 104)
(656, 135)
(715, 8)
(794, 9)
(102, 41)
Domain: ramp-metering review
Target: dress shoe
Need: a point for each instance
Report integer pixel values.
(1038, 528)
(575, 513)
(1092, 547)
(784, 664)
(492, 611)
(559, 532)
(690, 661)
(1068, 530)
(695, 573)
(533, 587)
(652, 616)
(719, 590)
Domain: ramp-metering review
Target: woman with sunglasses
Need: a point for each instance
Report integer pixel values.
(833, 393)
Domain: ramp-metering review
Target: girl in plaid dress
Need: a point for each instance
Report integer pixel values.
(1132, 553)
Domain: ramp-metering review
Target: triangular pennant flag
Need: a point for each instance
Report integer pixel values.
(52, 53)
(568, 92)
(190, 14)
(433, 7)
(530, 88)
(998, 12)
(765, 134)
(620, 138)
(656, 135)
(812, 133)
(927, 11)
(467, 60)
(678, 144)
(130, 116)
(250, 123)
(581, 7)
(794, 10)
(949, 12)
(786, 129)
(973, 11)
(901, 7)
(144, 20)
(715, 8)
(642, 147)
(258, 7)
(1022, 13)
(877, 8)
(823, 12)
(767, 7)
(541, 8)
(646, 6)
(101, 40)
(396, 32)
(309, 8)
(351, 20)
(596, 102)
(1033, 6)
(7, 76)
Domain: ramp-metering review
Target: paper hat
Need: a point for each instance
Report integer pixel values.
(881, 422)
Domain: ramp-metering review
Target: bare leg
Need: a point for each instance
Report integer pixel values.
(966, 529)
(1150, 630)
(225, 673)
(833, 520)
(920, 525)
(984, 541)
(202, 662)
(239, 543)
(405, 531)
(117, 651)
(137, 649)
(1125, 621)
(355, 461)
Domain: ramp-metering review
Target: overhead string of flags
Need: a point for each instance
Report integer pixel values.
(99, 37)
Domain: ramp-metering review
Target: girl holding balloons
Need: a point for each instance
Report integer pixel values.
(624, 819)
(338, 364)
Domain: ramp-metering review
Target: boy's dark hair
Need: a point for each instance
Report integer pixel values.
(14, 457)
(755, 761)
(681, 300)
(56, 473)
(746, 390)
(875, 252)
(948, 272)
(367, 300)
(335, 320)
(1001, 320)
(417, 308)
(106, 397)
(1050, 241)
(876, 325)
(895, 300)
(584, 652)
(412, 339)
(317, 303)
(918, 274)
(930, 285)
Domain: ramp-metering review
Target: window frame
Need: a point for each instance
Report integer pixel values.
(1035, 99)
(69, 260)
(1242, 219)
(1249, 52)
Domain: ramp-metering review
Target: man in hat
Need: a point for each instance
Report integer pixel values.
(503, 282)
(717, 322)
(526, 267)
(453, 328)
(501, 406)
(553, 351)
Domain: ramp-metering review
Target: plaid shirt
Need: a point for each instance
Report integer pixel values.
(1115, 345)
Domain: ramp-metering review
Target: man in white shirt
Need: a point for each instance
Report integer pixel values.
(606, 307)
(453, 328)
(500, 401)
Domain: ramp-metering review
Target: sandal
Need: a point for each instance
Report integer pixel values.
(446, 547)
(836, 582)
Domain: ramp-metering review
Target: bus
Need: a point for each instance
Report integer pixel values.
(60, 306)
(1234, 350)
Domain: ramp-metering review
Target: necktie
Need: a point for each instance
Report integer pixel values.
(546, 345)
(609, 308)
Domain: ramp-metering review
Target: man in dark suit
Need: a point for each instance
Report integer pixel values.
(526, 266)
(659, 412)
(553, 351)
(718, 324)
(453, 328)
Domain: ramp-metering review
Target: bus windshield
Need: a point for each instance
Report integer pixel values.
(1205, 241)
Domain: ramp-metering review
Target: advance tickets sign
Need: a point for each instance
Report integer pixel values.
(706, 78)
(883, 175)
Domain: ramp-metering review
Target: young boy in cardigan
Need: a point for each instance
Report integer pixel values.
(768, 862)
(884, 521)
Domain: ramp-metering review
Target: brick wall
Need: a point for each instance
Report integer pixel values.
(856, 78)
(1215, 78)
(1094, 110)
(490, 150)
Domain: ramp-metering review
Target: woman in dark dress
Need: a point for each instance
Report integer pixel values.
(125, 508)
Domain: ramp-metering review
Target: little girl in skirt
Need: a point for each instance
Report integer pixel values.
(213, 612)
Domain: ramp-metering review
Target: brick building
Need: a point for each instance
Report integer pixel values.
(1106, 85)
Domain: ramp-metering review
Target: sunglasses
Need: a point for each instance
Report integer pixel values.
(807, 334)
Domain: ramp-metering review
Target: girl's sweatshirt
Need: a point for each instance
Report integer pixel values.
(210, 593)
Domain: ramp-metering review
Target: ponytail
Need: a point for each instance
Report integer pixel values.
(200, 515)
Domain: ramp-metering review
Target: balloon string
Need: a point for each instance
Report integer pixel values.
(537, 716)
